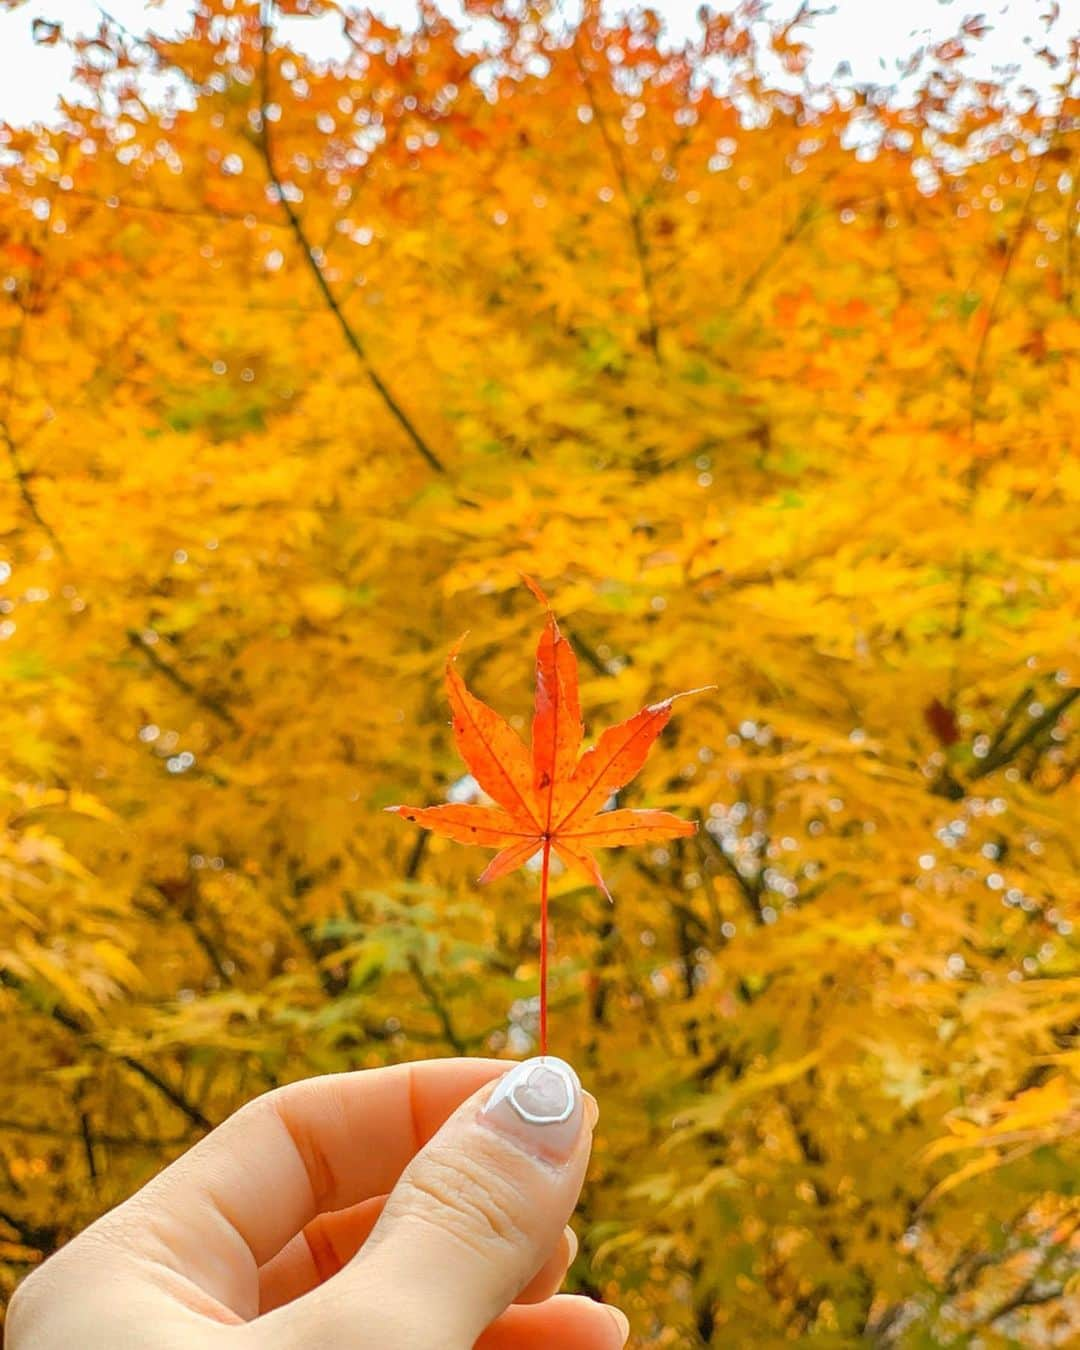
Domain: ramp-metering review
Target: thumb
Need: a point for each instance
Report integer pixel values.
(477, 1211)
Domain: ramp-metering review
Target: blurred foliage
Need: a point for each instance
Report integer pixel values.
(775, 388)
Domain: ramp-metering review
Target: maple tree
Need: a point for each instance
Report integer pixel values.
(301, 365)
(551, 801)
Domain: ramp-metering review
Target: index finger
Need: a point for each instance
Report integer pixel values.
(313, 1146)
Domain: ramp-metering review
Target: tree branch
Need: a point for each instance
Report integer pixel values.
(182, 901)
(805, 216)
(22, 482)
(1038, 725)
(78, 1028)
(110, 1140)
(749, 892)
(978, 370)
(633, 208)
(181, 682)
(18, 469)
(438, 1006)
(350, 334)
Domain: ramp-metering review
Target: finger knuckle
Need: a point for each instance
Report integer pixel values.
(285, 1106)
(468, 1199)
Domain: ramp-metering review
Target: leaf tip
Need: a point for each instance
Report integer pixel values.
(537, 591)
(665, 703)
(452, 655)
(702, 689)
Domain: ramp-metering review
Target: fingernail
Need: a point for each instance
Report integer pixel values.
(620, 1320)
(539, 1105)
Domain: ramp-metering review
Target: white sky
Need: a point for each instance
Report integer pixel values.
(874, 37)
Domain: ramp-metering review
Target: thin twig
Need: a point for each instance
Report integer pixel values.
(88, 1141)
(1026, 1296)
(588, 652)
(1006, 753)
(416, 857)
(1019, 702)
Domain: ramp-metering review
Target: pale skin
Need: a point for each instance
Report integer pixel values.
(371, 1209)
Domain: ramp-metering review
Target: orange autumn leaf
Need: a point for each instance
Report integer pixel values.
(550, 797)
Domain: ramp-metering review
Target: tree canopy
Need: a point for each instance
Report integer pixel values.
(771, 387)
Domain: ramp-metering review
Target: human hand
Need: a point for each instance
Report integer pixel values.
(416, 1207)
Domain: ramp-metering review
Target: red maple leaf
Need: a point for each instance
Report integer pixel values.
(550, 798)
